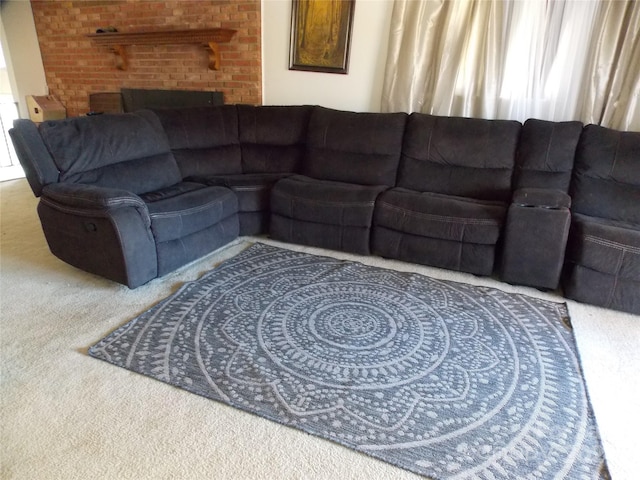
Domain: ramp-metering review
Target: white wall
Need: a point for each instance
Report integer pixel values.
(22, 52)
(359, 90)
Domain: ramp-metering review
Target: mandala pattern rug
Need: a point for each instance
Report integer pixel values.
(444, 379)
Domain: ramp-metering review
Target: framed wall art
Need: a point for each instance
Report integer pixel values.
(321, 35)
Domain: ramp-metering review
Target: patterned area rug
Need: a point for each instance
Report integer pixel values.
(444, 379)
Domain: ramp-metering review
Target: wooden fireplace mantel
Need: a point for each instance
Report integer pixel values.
(209, 37)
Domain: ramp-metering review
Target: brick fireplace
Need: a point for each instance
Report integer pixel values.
(75, 67)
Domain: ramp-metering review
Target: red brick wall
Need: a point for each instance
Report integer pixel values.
(75, 67)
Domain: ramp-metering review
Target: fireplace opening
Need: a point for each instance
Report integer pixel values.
(132, 99)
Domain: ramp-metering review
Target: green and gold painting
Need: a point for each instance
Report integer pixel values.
(320, 35)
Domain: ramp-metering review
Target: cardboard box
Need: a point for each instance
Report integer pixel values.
(46, 107)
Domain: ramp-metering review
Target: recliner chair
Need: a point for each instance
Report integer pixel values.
(451, 196)
(350, 159)
(603, 251)
(112, 199)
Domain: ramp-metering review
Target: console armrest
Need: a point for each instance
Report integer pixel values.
(541, 198)
(535, 237)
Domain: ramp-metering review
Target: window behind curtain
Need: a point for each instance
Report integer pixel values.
(505, 59)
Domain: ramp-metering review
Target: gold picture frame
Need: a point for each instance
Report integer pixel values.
(321, 35)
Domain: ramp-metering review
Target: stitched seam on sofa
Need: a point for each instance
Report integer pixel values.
(181, 213)
(457, 198)
(248, 189)
(181, 228)
(615, 280)
(607, 180)
(353, 151)
(292, 221)
(290, 208)
(440, 218)
(460, 246)
(186, 133)
(546, 158)
(199, 208)
(255, 126)
(430, 138)
(324, 202)
(552, 170)
(615, 156)
(400, 244)
(459, 167)
(334, 185)
(341, 243)
(612, 244)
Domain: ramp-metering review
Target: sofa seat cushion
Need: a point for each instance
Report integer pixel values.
(474, 258)
(170, 192)
(440, 216)
(440, 230)
(187, 208)
(175, 253)
(606, 246)
(603, 263)
(323, 201)
(323, 213)
(253, 189)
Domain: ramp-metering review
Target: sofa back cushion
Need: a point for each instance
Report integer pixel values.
(546, 152)
(36, 161)
(606, 175)
(204, 140)
(272, 138)
(362, 148)
(127, 151)
(466, 157)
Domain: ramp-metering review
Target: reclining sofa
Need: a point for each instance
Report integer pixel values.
(134, 196)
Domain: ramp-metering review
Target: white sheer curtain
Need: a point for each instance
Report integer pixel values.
(612, 86)
(516, 59)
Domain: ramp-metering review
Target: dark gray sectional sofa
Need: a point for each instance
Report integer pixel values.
(134, 196)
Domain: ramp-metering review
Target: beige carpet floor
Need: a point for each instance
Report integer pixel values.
(67, 416)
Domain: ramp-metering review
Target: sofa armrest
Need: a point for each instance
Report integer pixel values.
(541, 198)
(91, 196)
(535, 238)
(100, 230)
